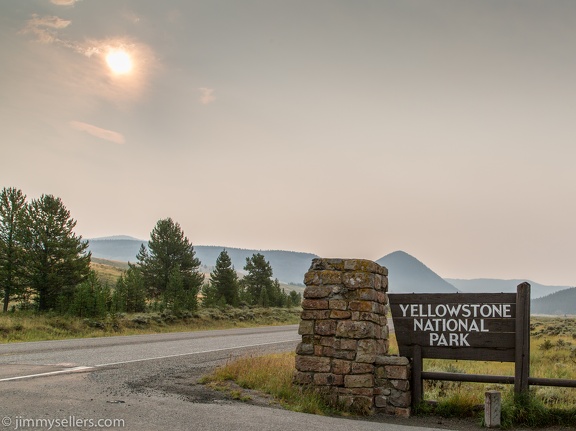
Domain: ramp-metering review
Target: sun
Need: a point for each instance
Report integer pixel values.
(119, 61)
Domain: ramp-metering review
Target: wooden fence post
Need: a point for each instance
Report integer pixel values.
(522, 370)
(417, 386)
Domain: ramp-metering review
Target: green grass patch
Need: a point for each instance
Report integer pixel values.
(28, 326)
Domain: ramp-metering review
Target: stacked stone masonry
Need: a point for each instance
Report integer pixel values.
(344, 345)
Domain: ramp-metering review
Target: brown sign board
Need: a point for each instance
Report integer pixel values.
(469, 326)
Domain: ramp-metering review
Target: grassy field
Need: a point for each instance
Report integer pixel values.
(553, 355)
(24, 326)
(108, 270)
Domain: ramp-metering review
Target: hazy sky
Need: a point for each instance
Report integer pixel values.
(446, 129)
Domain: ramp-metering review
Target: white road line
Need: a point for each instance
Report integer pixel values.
(192, 353)
(51, 373)
(85, 368)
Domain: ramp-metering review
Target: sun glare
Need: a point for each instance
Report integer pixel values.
(119, 61)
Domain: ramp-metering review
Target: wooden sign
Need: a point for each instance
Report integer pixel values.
(471, 326)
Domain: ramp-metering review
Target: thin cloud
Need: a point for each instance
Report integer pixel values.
(108, 135)
(206, 95)
(64, 2)
(45, 28)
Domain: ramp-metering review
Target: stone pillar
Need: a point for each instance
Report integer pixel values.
(345, 332)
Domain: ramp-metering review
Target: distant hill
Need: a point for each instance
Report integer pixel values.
(561, 302)
(406, 274)
(491, 285)
(107, 270)
(288, 266)
(118, 248)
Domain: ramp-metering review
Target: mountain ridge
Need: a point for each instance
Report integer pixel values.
(406, 273)
(494, 285)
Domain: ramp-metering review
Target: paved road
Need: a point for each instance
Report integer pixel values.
(145, 383)
(22, 360)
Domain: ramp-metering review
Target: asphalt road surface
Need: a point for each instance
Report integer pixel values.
(147, 382)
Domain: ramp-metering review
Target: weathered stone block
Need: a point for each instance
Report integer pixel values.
(325, 327)
(313, 363)
(324, 277)
(304, 349)
(312, 278)
(366, 392)
(392, 360)
(360, 305)
(358, 280)
(366, 351)
(381, 348)
(327, 341)
(321, 264)
(401, 385)
(315, 314)
(348, 344)
(382, 297)
(400, 399)
(317, 292)
(352, 329)
(384, 283)
(361, 368)
(340, 314)
(363, 265)
(337, 304)
(359, 381)
(380, 390)
(327, 379)
(306, 327)
(328, 351)
(345, 354)
(365, 294)
(302, 378)
(380, 401)
(340, 366)
(367, 316)
(398, 372)
(315, 304)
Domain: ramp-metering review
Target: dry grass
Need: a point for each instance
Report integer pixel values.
(552, 355)
(546, 405)
(28, 326)
(271, 374)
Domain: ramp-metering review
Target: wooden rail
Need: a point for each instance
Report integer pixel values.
(485, 378)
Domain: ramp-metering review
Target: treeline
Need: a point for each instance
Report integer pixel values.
(45, 266)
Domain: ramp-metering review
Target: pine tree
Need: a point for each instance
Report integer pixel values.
(12, 225)
(89, 299)
(209, 295)
(168, 249)
(224, 280)
(257, 283)
(129, 294)
(56, 259)
(295, 298)
(135, 291)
